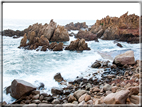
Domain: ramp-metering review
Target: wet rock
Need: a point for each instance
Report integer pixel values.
(58, 47)
(56, 91)
(88, 86)
(87, 35)
(20, 87)
(60, 34)
(125, 58)
(117, 98)
(96, 64)
(118, 44)
(78, 45)
(43, 41)
(8, 89)
(71, 34)
(58, 77)
(23, 40)
(39, 85)
(79, 93)
(56, 101)
(71, 98)
(52, 45)
(44, 48)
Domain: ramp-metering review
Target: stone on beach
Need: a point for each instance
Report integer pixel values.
(125, 58)
(58, 77)
(20, 88)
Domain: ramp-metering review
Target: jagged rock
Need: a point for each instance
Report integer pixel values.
(76, 26)
(87, 35)
(49, 30)
(125, 58)
(78, 44)
(43, 41)
(60, 34)
(58, 47)
(20, 88)
(52, 45)
(23, 40)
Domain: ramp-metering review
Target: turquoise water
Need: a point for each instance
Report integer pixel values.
(31, 65)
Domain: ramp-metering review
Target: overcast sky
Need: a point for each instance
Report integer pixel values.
(67, 11)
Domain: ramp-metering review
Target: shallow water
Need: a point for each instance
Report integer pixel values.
(31, 65)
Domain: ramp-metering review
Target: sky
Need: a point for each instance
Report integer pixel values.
(67, 11)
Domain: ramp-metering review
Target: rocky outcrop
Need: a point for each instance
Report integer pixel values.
(125, 58)
(49, 30)
(87, 35)
(23, 40)
(20, 88)
(60, 34)
(76, 26)
(43, 41)
(78, 45)
(125, 28)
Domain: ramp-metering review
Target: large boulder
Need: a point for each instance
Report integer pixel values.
(49, 30)
(43, 41)
(78, 45)
(87, 35)
(125, 58)
(20, 88)
(79, 93)
(60, 34)
(23, 40)
(117, 98)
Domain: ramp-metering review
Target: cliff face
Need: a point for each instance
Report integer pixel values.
(124, 28)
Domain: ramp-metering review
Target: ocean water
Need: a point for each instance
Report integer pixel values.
(32, 66)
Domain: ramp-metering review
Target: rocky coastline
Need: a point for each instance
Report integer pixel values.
(120, 81)
(119, 84)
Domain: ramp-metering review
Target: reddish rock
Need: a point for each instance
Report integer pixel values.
(58, 77)
(23, 40)
(49, 30)
(87, 35)
(43, 41)
(76, 26)
(58, 47)
(78, 45)
(60, 34)
(117, 98)
(20, 88)
(87, 97)
(52, 45)
(125, 58)
(71, 98)
(44, 48)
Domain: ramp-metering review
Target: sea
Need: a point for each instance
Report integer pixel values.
(38, 66)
